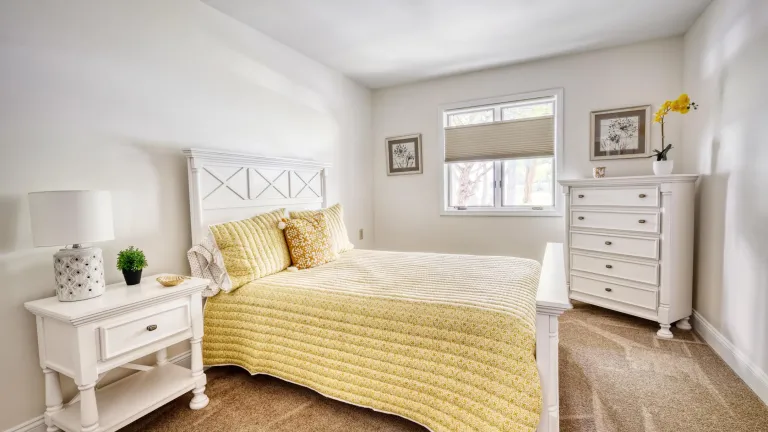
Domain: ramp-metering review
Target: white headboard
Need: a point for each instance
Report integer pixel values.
(225, 186)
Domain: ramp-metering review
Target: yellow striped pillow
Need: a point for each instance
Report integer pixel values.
(252, 248)
(334, 216)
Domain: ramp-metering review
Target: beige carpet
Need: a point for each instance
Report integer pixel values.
(615, 376)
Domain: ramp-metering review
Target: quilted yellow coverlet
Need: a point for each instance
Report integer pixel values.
(444, 340)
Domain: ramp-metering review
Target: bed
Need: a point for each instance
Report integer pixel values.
(453, 342)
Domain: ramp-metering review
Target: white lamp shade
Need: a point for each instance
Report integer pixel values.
(70, 217)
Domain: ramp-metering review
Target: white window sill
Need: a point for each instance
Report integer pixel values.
(503, 213)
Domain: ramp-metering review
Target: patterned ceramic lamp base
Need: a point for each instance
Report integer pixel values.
(79, 273)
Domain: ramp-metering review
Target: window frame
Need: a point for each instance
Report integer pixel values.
(499, 209)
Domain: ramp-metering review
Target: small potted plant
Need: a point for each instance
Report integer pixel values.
(683, 104)
(131, 262)
(661, 166)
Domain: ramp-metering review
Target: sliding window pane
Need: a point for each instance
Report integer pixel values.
(471, 184)
(528, 182)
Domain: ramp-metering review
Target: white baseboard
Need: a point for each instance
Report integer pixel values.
(37, 424)
(752, 375)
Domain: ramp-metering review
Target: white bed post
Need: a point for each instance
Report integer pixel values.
(551, 302)
(195, 199)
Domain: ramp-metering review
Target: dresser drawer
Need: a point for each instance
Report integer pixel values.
(634, 246)
(615, 292)
(638, 272)
(625, 221)
(616, 197)
(137, 330)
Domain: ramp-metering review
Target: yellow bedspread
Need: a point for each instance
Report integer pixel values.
(444, 340)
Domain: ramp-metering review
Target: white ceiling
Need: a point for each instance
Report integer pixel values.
(381, 43)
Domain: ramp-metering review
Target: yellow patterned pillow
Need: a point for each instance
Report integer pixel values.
(334, 216)
(252, 248)
(309, 241)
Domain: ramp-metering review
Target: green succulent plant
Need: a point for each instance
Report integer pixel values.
(131, 259)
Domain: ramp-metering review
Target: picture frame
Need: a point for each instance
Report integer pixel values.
(403, 154)
(621, 133)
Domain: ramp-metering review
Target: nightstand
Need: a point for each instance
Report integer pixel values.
(86, 339)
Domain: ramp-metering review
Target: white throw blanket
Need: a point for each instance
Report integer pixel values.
(206, 262)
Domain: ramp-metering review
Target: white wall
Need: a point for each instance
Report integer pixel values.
(407, 207)
(726, 72)
(104, 94)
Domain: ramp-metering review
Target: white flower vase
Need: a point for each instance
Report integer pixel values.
(664, 167)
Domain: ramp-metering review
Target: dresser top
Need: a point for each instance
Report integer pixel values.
(117, 298)
(633, 180)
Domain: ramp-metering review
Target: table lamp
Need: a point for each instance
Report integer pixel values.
(64, 218)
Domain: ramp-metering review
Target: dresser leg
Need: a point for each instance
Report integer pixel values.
(684, 324)
(664, 332)
(53, 399)
(89, 413)
(199, 400)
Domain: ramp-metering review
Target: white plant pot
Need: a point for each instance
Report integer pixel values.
(661, 168)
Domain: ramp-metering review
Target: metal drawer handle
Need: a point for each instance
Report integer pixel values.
(608, 289)
(581, 217)
(608, 243)
(642, 195)
(581, 196)
(152, 327)
(608, 266)
(642, 221)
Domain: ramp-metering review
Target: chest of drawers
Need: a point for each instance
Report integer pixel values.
(630, 245)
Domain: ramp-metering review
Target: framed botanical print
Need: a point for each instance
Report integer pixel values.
(620, 133)
(404, 155)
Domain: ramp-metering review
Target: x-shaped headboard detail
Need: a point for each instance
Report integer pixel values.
(223, 183)
(306, 184)
(270, 183)
(258, 184)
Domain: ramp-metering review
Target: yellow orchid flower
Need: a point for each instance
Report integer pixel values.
(682, 104)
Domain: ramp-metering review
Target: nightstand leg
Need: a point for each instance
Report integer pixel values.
(89, 414)
(199, 400)
(53, 399)
(161, 357)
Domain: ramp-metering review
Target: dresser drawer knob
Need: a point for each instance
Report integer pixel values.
(609, 289)
(642, 195)
(581, 196)
(581, 217)
(642, 221)
(608, 243)
(608, 266)
(152, 327)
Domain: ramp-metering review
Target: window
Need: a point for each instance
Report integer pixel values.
(501, 155)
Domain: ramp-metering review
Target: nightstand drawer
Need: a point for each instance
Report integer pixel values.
(121, 336)
(616, 197)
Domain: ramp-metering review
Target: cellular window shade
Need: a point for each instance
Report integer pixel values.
(533, 137)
